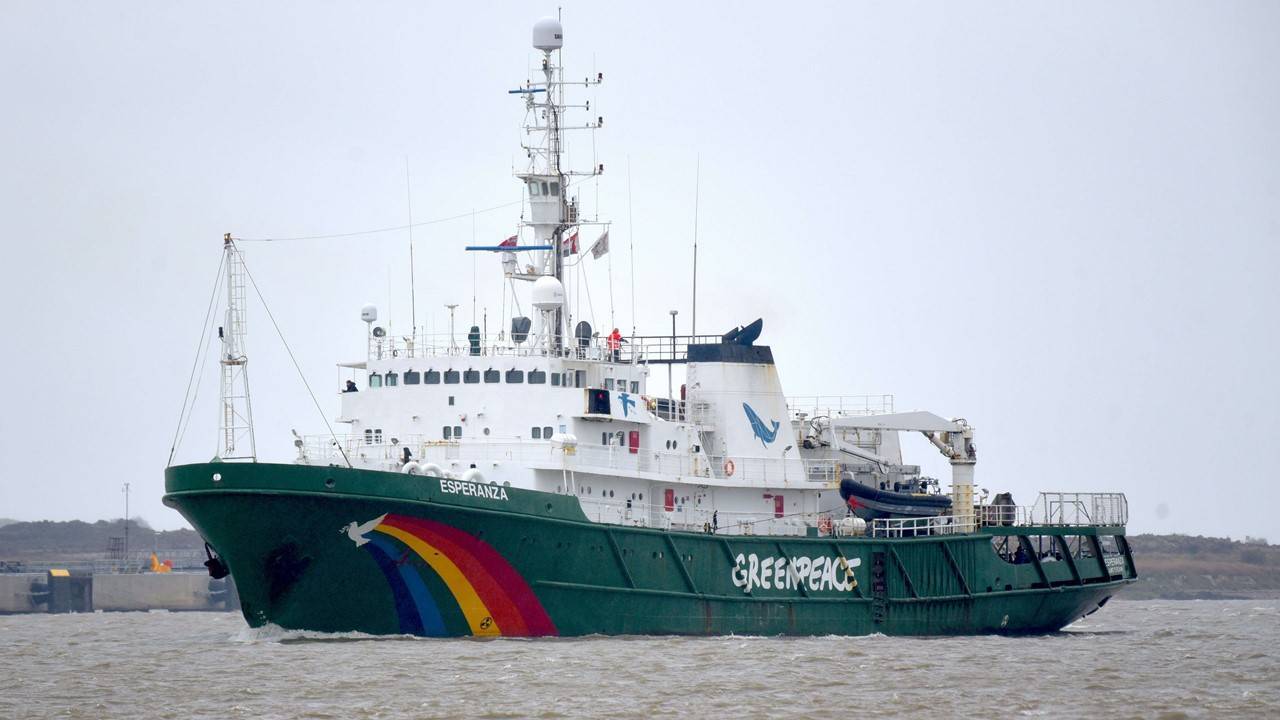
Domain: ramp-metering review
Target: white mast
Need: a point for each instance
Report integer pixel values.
(236, 421)
(546, 181)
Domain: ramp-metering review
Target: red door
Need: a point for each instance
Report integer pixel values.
(633, 440)
(779, 508)
(669, 499)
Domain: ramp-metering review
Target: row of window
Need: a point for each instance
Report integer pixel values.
(537, 188)
(490, 376)
(469, 377)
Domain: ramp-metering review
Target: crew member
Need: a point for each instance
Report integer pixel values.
(615, 345)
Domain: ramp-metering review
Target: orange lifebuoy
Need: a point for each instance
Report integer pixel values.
(728, 468)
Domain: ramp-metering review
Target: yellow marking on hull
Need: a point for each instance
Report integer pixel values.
(473, 608)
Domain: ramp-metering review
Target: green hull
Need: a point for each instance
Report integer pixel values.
(335, 550)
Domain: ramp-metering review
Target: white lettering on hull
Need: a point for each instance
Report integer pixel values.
(791, 573)
(470, 489)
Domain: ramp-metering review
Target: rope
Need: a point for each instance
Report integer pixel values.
(296, 366)
(395, 228)
(197, 361)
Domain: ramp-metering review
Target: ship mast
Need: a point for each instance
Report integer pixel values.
(547, 183)
(236, 417)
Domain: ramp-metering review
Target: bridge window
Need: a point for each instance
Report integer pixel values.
(535, 433)
(555, 379)
(533, 188)
(451, 377)
(515, 376)
(635, 387)
(392, 379)
(457, 432)
(608, 383)
(555, 188)
(471, 377)
(412, 377)
(492, 376)
(537, 377)
(375, 380)
(546, 432)
(545, 190)
(447, 432)
(432, 377)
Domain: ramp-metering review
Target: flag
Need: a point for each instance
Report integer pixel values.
(601, 246)
(571, 245)
(509, 242)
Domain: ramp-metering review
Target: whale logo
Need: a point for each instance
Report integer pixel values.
(628, 402)
(757, 426)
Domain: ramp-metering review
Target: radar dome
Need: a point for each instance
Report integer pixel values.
(369, 313)
(548, 35)
(548, 293)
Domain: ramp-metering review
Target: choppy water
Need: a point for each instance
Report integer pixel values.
(1132, 659)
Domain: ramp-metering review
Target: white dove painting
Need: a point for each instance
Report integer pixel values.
(357, 531)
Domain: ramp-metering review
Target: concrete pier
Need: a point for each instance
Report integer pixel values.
(47, 592)
(15, 592)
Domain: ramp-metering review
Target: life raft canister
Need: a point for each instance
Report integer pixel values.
(728, 468)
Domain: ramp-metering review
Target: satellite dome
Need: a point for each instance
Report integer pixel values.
(369, 313)
(548, 293)
(548, 35)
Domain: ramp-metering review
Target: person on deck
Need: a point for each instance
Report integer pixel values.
(615, 345)
(351, 386)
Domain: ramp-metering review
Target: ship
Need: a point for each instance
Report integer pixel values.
(541, 481)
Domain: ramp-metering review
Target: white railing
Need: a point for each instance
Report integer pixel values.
(840, 405)
(1058, 509)
(689, 516)
(636, 349)
(385, 454)
(914, 527)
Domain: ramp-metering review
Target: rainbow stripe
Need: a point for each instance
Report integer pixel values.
(491, 596)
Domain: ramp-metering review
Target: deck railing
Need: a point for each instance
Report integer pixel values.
(634, 349)
(840, 405)
(1059, 509)
(914, 527)
(384, 454)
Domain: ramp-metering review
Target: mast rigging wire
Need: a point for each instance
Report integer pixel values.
(197, 361)
(296, 366)
(395, 228)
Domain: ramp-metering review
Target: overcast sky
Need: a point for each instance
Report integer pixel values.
(1057, 220)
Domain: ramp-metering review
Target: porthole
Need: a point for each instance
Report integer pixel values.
(217, 477)
(329, 483)
(486, 431)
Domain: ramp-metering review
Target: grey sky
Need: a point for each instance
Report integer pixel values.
(1056, 220)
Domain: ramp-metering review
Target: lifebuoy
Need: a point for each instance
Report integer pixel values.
(824, 524)
(728, 468)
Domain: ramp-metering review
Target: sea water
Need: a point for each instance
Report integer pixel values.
(1149, 659)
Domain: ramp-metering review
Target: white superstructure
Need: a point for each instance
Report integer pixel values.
(549, 403)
